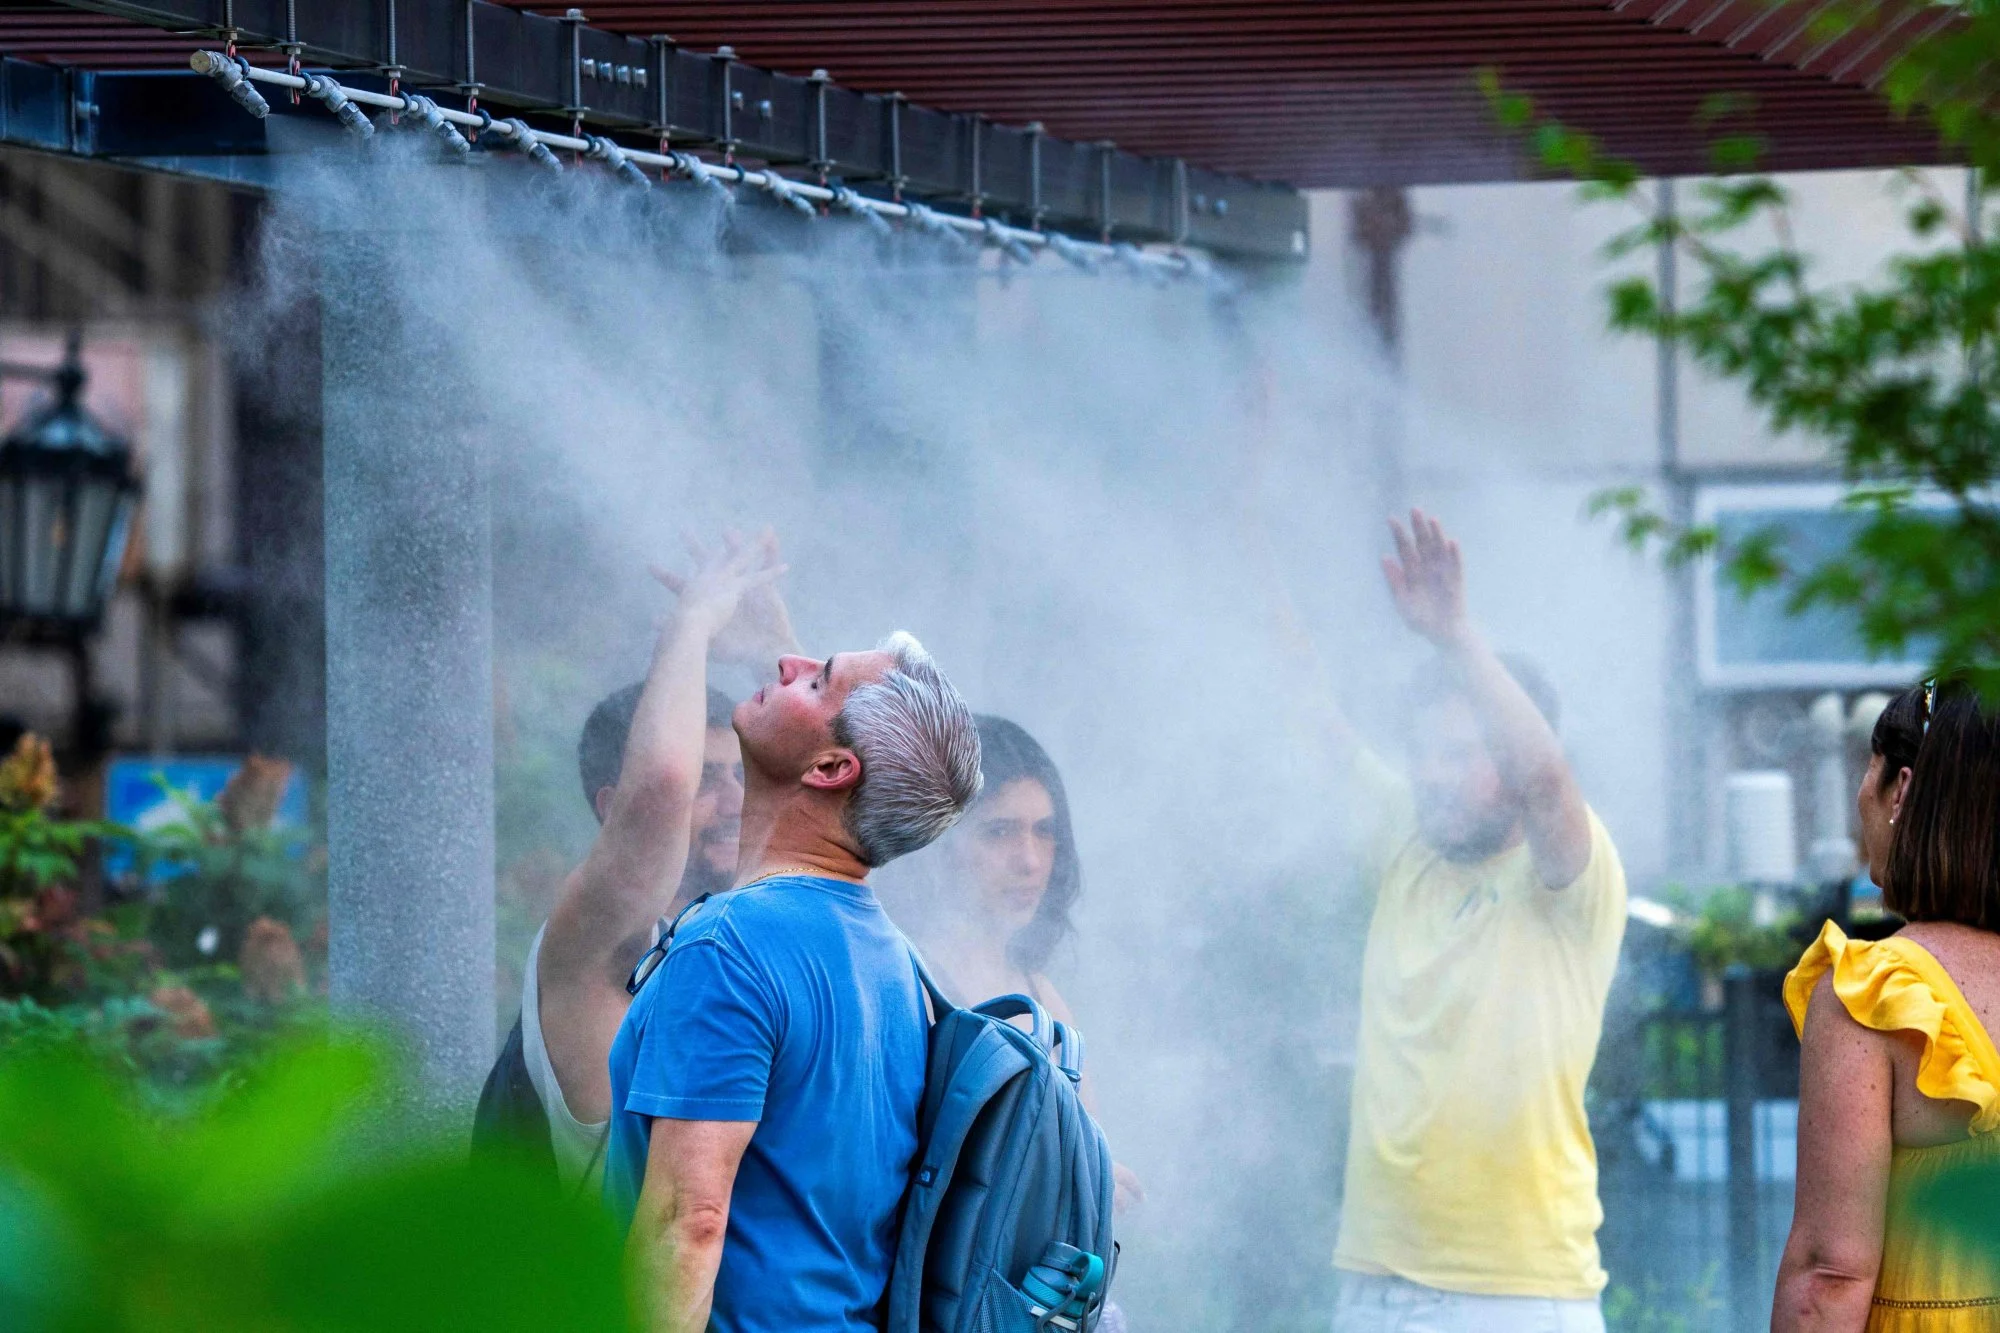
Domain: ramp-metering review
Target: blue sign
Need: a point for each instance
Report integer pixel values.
(136, 795)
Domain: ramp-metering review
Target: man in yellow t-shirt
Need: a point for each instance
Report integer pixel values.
(1471, 1191)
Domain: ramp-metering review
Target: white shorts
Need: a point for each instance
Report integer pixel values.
(1369, 1303)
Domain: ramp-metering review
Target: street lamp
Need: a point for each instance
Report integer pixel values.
(67, 494)
(66, 499)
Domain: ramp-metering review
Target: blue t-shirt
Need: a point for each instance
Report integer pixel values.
(791, 1002)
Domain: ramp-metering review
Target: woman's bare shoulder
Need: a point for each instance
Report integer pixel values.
(1051, 998)
(1970, 956)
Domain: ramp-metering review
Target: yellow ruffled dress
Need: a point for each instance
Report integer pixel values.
(1940, 1258)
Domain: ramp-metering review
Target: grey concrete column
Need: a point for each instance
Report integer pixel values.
(409, 671)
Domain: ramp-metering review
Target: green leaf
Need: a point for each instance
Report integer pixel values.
(1737, 152)
(1722, 105)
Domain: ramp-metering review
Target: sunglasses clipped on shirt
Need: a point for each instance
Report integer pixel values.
(650, 962)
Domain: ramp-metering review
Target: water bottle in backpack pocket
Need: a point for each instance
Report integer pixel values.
(1064, 1291)
(1007, 1225)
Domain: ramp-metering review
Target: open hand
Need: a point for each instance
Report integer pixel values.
(1427, 579)
(723, 584)
(761, 630)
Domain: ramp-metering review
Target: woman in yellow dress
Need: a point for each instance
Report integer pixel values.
(1896, 1227)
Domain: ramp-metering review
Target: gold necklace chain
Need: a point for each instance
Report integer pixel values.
(812, 871)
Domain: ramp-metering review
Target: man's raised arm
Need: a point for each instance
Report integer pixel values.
(608, 904)
(1427, 579)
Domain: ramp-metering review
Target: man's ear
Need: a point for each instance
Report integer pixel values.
(1902, 790)
(601, 802)
(833, 770)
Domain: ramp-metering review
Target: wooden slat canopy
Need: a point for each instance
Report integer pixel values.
(1311, 92)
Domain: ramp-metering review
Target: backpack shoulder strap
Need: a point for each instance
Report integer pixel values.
(940, 1006)
(511, 1118)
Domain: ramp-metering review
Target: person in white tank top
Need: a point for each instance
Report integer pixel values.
(660, 765)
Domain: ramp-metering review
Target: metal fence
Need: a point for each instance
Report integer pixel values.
(1695, 1116)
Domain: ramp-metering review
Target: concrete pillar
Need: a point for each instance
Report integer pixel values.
(281, 545)
(409, 672)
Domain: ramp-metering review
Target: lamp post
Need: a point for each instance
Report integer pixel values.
(67, 495)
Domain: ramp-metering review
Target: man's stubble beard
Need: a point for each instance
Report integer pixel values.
(1481, 843)
(701, 877)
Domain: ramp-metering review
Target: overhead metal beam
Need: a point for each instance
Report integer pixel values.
(566, 69)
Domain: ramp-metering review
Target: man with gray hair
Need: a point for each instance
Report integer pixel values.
(765, 1084)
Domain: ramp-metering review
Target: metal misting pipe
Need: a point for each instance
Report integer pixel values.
(1017, 242)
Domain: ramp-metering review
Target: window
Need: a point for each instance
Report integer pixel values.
(1752, 643)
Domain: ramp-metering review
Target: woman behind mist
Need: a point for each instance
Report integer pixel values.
(989, 903)
(989, 906)
(1897, 1222)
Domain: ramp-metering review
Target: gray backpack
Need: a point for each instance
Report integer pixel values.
(1007, 1224)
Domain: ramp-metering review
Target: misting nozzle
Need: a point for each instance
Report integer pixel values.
(781, 189)
(229, 73)
(424, 109)
(329, 92)
(690, 166)
(928, 222)
(847, 199)
(1072, 253)
(613, 156)
(1007, 244)
(525, 140)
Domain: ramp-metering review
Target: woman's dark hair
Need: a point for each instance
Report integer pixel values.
(1944, 860)
(1899, 732)
(1008, 752)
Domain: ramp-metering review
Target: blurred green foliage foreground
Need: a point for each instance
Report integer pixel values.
(176, 953)
(186, 1143)
(285, 1202)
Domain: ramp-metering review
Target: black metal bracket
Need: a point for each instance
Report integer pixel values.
(534, 64)
(1106, 151)
(662, 63)
(892, 116)
(468, 85)
(822, 161)
(1035, 133)
(976, 195)
(1180, 202)
(728, 99)
(572, 19)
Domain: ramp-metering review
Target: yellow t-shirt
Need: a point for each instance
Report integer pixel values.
(1469, 1160)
